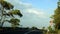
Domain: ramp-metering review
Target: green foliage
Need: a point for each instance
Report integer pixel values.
(57, 17)
(6, 5)
(43, 28)
(50, 29)
(52, 17)
(34, 28)
(14, 21)
(15, 12)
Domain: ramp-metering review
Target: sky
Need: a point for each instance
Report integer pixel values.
(35, 12)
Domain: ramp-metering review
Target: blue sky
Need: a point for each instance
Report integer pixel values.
(35, 12)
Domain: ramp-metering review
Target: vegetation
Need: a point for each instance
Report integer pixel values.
(8, 16)
(56, 17)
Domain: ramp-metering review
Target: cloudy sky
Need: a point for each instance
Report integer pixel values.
(35, 12)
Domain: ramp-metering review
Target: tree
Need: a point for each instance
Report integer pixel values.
(34, 28)
(56, 16)
(50, 29)
(4, 6)
(43, 28)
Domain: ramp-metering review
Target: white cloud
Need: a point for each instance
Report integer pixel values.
(20, 3)
(25, 4)
(37, 12)
(28, 7)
